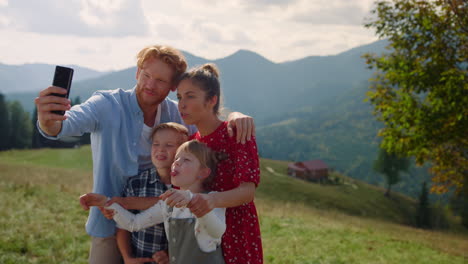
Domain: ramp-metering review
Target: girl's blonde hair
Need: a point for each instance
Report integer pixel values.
(167, 54)
(208, 159)
(206, 77)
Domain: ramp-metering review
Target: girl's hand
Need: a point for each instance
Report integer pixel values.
(92, 199)
(201, 204)
(108, 213)
(161, 257)
(176, 198)
(137, 260)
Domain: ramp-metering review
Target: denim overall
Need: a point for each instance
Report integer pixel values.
(183, 245)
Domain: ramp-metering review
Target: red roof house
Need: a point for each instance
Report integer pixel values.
(314, 170)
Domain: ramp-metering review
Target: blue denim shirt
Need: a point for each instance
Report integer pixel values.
(115, 122)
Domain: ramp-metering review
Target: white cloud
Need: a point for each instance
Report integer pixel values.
(260, 5)
(77, 17)
(349, 14)
(4, 21)
(168, 31)
(114, 17)
(99, 13)
(219, 34)
(106, 34)
(271, 28)
(106, 53)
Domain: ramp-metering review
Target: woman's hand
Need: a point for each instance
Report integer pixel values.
(201, 204)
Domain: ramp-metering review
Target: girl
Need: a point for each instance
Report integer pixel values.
(191, 239)
(199, 101)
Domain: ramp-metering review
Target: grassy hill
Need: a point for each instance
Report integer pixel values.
(42, 222)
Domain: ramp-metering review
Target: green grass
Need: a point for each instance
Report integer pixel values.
(79, 158)
(40, 225)
(42, 222)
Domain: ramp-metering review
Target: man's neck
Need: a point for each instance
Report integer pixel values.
(149, 111)
(149, 114)
(165, 175)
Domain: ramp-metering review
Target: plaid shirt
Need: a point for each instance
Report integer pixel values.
(150, 240)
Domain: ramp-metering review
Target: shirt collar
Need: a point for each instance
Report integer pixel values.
(135, 107)
(154, 176)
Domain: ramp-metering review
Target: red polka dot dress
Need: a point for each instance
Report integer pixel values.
(241, 243)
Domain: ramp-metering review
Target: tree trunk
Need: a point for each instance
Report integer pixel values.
(387, 193)
(464, 207)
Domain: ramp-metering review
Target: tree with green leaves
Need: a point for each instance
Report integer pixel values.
(4, 124)
(420, 88)
(20, 127)
(390, 165)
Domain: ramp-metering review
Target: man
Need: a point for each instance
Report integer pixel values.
(119, 122)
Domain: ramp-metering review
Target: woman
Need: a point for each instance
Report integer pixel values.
(199, 102)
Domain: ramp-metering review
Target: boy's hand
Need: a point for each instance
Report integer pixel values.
(161, 257)
(201, 204)
(244, 125)
(176, 198)
(92, 199)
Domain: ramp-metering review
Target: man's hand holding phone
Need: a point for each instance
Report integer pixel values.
(53, 102)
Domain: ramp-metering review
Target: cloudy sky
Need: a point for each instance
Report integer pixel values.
(107, 34)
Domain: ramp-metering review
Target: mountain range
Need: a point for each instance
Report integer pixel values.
(34, 77)
(312, 108)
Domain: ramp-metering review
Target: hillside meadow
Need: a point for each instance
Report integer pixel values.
(42, 222)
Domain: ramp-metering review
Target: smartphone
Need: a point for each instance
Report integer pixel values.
(62, 78)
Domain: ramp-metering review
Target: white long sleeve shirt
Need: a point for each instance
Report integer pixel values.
(208, 229)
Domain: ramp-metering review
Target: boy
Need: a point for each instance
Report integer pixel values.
(151, 183)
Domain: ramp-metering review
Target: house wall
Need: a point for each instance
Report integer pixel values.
(317, 174)
(313, 175)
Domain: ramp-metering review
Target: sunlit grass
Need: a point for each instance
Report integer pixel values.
(293, 233)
